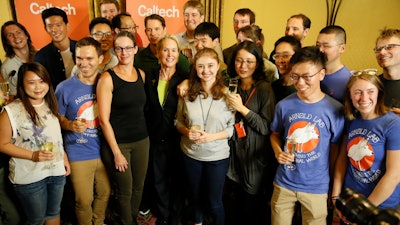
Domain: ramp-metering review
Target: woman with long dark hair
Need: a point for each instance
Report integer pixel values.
(253, 164)
(31, 135)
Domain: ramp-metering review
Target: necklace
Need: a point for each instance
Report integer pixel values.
(38, 105)
(202, 112)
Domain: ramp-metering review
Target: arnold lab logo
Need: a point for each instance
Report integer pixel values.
(360, 153)
(305, 135)
(89, 111)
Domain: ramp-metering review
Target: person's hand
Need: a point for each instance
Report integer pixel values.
(204, 137)
(42, 155)
(67, 165)
(120, 163)
(235, 101)
(284, 157)
(339, 213)
(182, 88)
(78, 126)
(396, 110)
(193, 134)
(187, 52)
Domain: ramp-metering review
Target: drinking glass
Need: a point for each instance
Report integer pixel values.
(232, 85)
(81, 139)
(290, 147)
(5, 87)
(47, 146)
(232, 88)
(195, 127)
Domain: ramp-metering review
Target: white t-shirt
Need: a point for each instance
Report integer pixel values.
(29, 136)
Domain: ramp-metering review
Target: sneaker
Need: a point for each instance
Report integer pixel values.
(144, 213)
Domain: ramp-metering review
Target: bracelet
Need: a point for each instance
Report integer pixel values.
(334, 197)
(33, 156)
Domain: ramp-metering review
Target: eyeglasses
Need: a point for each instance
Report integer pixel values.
(283, 56)
(126, 49)
(296, 77)
(242, 61)
(371, 72)
(388, 47)
(129, 28)
(100, 35)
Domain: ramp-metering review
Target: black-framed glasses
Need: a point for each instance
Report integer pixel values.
(388, 47)
(100, 35)
(282, 56)
(126, 49)
(371, 72)
(296, 77)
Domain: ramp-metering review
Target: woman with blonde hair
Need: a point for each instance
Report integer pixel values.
(368, 161)
(165, 157)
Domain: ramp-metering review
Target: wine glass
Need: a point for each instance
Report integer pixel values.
(47, 146)
(81, 139)
(232, 86)
(5, 87)
(290, 147)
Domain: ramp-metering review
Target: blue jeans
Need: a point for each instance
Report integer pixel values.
(41, 200)
(211, 177)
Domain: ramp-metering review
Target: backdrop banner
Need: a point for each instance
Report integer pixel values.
(171, 10)
(29, 15)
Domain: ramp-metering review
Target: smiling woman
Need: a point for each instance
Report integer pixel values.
(206, 123)
(26, 125)
(121, 99)
(368, 160)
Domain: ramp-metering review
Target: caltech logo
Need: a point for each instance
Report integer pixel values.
(305, 135)
(360, 153)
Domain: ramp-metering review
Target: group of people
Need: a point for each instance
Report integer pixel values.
(159, 129)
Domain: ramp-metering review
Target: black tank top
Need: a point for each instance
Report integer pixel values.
(127, 115)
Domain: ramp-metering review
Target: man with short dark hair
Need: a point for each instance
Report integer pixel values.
(298, 26)
(242, 17)
(207, 35)
(146, 59)
(331, 41)
(306, 132)
(80, 123)
(58, 57)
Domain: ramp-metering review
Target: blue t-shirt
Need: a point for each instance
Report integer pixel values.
(314, 127)
(76, 99)
(335, 84)
(367, 144)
